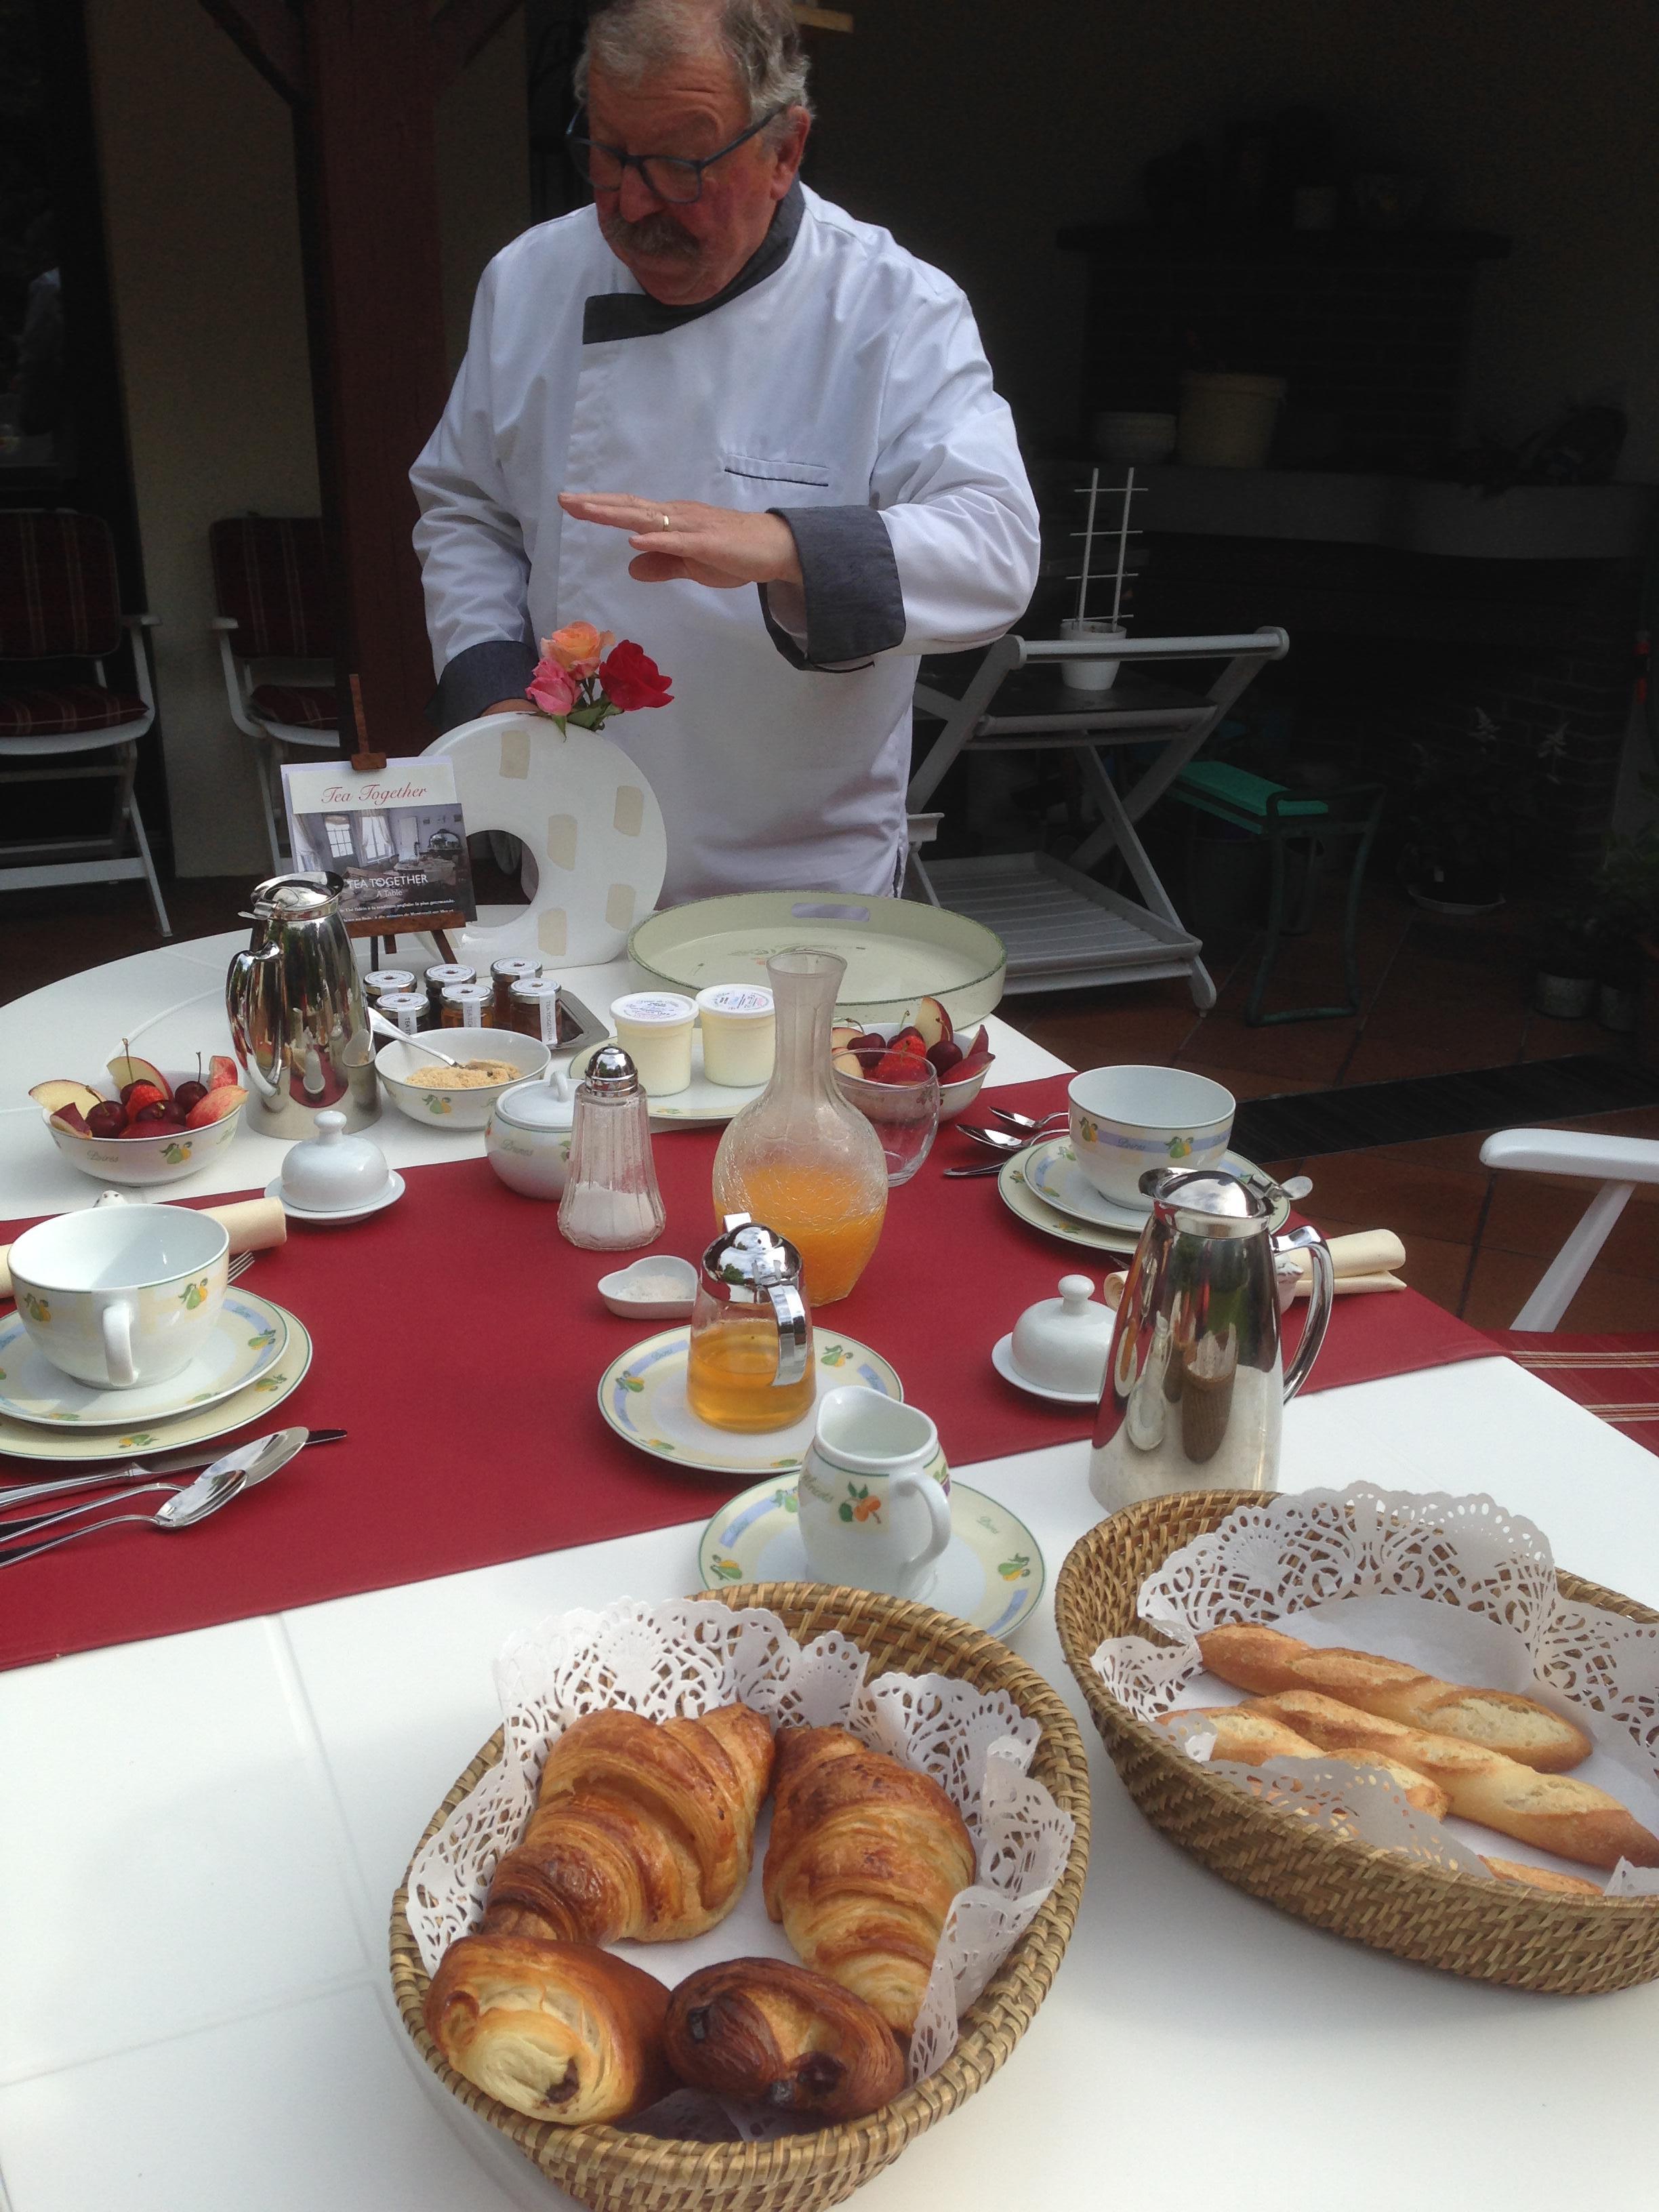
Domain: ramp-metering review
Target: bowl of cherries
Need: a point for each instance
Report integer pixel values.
(925, 1035)
(153, 1128)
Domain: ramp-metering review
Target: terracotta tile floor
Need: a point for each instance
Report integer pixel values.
(1439, 996)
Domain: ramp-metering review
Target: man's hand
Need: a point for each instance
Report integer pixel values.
(720, 546)
(521, 705)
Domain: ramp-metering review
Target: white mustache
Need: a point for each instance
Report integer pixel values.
(657, 235)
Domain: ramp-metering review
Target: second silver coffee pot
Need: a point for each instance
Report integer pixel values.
(1196, 1386)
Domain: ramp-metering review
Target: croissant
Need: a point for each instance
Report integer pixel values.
(641, 1829)
(558, 2031)
(779, 2035)
(865, 1858)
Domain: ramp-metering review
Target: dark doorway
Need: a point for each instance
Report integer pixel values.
(63, 435)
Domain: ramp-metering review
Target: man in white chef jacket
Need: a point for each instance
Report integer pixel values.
(712, 381)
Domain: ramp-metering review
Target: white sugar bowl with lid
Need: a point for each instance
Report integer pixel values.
(1059, 1347)
(527, 1136)
(331, 1172)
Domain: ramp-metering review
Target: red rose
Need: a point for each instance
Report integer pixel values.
(629, 678)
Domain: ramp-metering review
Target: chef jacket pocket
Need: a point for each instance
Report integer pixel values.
(760, 469)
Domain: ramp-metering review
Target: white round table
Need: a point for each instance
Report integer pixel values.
(204, 1832)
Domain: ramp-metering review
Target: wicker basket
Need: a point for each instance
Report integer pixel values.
(612, 2168)
(1490, 1930)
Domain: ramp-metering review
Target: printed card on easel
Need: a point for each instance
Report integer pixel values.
(394, 836)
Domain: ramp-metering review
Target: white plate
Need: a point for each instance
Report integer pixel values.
(1020, 1194)
(196, 1425)
(702, 1100)
(896, 951)
(1002, 1359)
(990, 1574)
(247, 1340)
(389, 1197)
(642, 1396)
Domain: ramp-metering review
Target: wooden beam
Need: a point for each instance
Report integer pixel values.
(822, 19)
(372, 133)
(462, 28)
(269, 34)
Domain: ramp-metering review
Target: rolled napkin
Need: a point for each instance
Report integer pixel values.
(1361, 1262)
(254, 1225)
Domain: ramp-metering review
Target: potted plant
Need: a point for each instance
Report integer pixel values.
(1469, 816)
(1569, 965)
(1627, 886)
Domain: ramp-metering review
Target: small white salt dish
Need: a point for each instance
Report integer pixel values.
(1059, 1347)
(331, 1172)
(659, 1287)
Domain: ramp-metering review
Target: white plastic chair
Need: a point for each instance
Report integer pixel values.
(269, 579)
(70, 612)
(1619, 1164)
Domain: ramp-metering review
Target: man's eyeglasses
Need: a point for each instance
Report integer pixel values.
(664, 176)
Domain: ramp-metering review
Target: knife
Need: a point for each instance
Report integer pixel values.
(179, 1462)
(249, 1465)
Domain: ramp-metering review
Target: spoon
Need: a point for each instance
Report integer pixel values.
(256, 1461)
(1024, 1121)
(379, 1024)
(213, 1487)
(997, 1141)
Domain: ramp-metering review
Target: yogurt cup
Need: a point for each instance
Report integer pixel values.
(738, 1033)
(654, 1027)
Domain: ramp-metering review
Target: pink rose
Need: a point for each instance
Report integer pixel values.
(552, 689)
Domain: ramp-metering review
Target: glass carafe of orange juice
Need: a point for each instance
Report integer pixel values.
(799, 1157)
(750, 1366)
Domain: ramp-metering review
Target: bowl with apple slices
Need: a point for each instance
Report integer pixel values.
(148, 1127)
(958, 1058)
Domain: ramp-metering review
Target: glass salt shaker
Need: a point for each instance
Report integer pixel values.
(611, 1202)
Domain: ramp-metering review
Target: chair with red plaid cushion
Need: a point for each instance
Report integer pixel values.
(271, 581)
(60, 609)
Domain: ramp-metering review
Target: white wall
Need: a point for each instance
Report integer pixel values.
(204, 254)
(974, 130)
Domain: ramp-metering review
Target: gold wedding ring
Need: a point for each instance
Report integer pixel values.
(666, 523)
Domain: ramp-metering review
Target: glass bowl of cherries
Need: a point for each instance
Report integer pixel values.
(153, 1127)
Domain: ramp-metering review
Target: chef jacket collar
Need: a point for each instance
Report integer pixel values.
(609, 315)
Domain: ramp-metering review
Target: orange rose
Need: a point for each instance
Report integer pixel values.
(578, 647)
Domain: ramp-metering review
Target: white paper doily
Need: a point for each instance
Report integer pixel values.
(684, 1657)
(1479, 1605)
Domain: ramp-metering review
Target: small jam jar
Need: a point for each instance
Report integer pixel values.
(442, 978)
(405, 1010)
(503, 974)
(380, 981)
(467, 1006)
(534, 1009)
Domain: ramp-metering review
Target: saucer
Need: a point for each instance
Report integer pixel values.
(1054, 1206)
(1002, 1359)
(389, 1197)
(248, 1338)
(990, 1574)
(196, 1425)
(642, 1396)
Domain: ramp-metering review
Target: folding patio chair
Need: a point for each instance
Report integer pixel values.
(60, 604)
(271, 583)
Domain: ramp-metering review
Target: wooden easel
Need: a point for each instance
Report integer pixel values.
(370, 763)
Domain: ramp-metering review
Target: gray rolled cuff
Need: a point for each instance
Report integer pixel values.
(850, 583)
(475, 679)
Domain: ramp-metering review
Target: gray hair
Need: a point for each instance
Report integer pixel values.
(631, 39)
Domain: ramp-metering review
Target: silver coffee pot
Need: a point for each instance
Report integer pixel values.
(1195, 1386)
(297, 1017)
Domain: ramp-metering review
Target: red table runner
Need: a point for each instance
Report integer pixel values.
(460, 1341)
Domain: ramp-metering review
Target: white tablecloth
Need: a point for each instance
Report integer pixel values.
(203, 1834)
